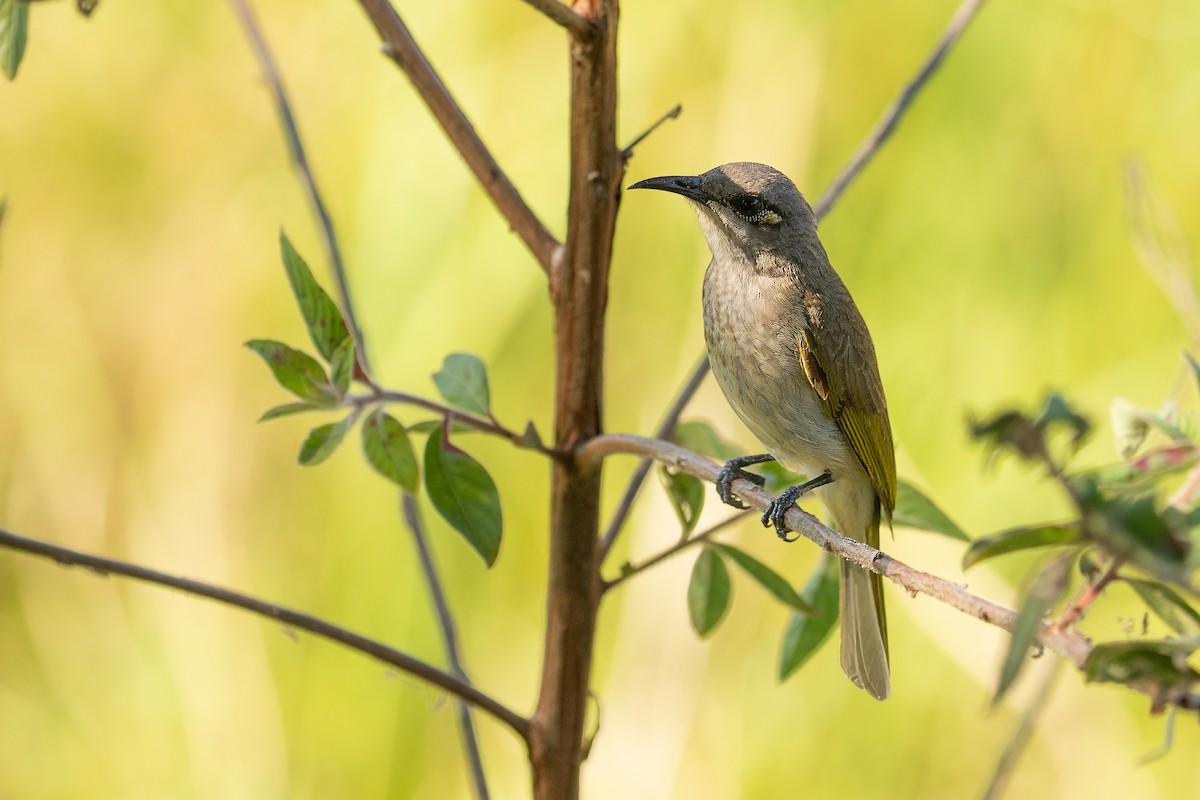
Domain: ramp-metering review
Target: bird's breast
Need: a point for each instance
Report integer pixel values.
(752, 326)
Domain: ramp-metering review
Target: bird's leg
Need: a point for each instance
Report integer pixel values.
(786, 499)
(734, 469)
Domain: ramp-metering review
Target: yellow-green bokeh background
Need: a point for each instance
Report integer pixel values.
(146, 180)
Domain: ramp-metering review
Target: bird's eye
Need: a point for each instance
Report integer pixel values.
(754, 210)
(748, 206)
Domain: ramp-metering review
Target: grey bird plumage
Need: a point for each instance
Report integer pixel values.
(793, 356)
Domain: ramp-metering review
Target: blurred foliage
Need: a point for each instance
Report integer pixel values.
(1124, 520)
(990, 246)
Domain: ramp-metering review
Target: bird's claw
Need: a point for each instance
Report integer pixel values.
(727, 475)
(777, 510)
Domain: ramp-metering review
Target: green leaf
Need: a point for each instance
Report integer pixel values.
(708, 592)
(1015, 539)
(296, 371)
(325, 324)
(1160, 663)
(465, 495)
(341, 365)
(388, 450)
(287, 409)
(14, 29)
(915, 510)
(1047, 589)
(1057, 412)
(768, 578)
(463, 381)
(806, 633)
(686, 493)
(430, 425)
(1020, 539)
(323, 440)
(778, 477)
(1168, 604)
(704, 439)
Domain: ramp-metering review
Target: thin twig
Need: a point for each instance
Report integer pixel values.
(489, 425)
(866, 152)
(327, 630)
(891, 117)
(399, 45)
(643, 468)
(682, 544)
(1072, 613)
(291, 133)
(562, 14)
(412, 516)
(627, 150)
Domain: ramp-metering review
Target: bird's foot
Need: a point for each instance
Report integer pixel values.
(733, 469)
(777, 510)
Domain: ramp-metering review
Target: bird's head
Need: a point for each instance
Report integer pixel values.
(744, 207)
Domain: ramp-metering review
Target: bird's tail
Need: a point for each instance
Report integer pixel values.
(864, 624)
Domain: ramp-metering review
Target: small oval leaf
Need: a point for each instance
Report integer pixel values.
(286, 410)
(915, 510)
(703, 438)
(296, 371)
(686, 493)
(388, 450)
(323, 440)
(465, 495)
(463, 382)
(807, 632)
(341, 365)
(321, 315)
(1026, 538)
(708, 592)
(767, 578)
(14, 30)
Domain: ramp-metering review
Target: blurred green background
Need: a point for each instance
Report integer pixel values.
(987, 246)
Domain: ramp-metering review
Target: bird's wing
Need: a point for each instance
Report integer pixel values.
(839, 362)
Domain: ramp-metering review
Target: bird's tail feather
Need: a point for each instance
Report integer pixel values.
(864, 625)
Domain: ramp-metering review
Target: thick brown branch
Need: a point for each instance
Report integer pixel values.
(296, 619)
(579, 292)
(400, 46)
(562, 14)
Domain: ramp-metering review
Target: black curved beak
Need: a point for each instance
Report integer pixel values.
(686, 185)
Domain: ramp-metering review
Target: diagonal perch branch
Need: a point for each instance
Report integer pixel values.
(326, 630)
(400, 46)
(1069, 645)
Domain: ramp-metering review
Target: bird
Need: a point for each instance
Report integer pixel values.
(793, 356)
